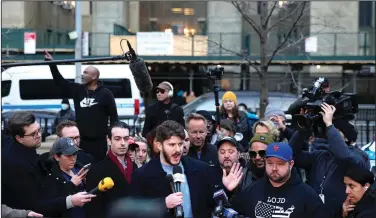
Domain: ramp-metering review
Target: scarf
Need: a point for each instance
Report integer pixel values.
(128, 171)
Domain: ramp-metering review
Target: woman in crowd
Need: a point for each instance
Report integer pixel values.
(230, 110)
(361, 194)
(152, 144)
(142, 156)
(264, 126)
(64, 175)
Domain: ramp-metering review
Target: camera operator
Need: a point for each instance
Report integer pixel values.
(328, 164)
(281, 193)
(278, 117)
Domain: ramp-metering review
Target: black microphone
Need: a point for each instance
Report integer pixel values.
(139, 71)
(178, 179)
(170, 180)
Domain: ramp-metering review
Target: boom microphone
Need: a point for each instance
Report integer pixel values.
(139, 71)
(104, 185)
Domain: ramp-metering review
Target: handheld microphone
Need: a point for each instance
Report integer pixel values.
(139, 71)
(178, 178)
(220, 198)
(170, 180)
(104, 185)
(230, 213)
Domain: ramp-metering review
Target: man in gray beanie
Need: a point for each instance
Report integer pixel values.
(278, 117)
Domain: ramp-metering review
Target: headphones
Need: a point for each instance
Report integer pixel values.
(171, 91)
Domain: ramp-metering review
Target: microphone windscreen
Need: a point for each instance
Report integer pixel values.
(141, 75)
(178, 177)
(105, 184)
(177, 169)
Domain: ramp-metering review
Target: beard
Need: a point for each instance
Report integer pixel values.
(168, 158)
(257, 171)
(279, 178)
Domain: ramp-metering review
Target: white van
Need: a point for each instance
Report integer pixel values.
(32, 88)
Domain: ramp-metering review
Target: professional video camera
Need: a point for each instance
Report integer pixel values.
(345, 104)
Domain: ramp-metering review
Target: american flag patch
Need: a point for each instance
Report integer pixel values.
(264, 210)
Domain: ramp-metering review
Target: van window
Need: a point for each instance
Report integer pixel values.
(47, 89)
(5, 87)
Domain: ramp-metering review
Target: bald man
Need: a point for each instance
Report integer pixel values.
(94, 105)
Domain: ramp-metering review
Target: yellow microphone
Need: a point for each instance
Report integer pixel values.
(104, 185)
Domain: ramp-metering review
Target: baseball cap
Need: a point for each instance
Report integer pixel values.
(207, 115)
(263, 138)
(279, 150)
(64, 146)
(232, 140)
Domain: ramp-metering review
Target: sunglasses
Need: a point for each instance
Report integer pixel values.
(253, 154)
(162, 91)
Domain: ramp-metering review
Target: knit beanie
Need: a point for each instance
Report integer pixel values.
(229, 96)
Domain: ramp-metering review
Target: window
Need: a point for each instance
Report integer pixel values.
(365, 13)
(5, 87)
(47, 89)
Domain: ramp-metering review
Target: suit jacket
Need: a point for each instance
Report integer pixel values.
(150, 182)
(99, 205)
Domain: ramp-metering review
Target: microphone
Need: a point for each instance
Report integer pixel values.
(104, 185)
(170, 180)
(178, 178)
(220, 198)
(230, 213)
(139, 71)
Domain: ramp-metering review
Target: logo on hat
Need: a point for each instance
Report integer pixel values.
(275, 147)
(262, 137)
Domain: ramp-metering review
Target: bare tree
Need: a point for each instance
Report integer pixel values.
(267, 19)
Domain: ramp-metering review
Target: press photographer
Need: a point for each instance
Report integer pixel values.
(323, 114)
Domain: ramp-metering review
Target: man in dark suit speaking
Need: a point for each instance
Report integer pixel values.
(151, 182)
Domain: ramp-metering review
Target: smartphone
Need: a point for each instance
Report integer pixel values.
(86, 167)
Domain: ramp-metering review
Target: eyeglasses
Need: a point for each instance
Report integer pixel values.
(253, 154)
(35, 134)
(162, 91)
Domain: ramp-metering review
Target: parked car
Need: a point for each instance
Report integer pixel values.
(250, 98)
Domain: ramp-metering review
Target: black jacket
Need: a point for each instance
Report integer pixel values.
(98, 207)
(242, 127)
(366, 207)
(150, 182)
(23, 182)
(56, 186)
(160, 112)
(294, 199)
(209, 154)
(92, 108)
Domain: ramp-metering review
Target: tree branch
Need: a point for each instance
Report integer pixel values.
(270, 14)
(288, 34)
(247, 18)
(288, 16)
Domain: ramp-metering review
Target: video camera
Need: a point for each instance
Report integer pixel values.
(216, 73)
(345, 104)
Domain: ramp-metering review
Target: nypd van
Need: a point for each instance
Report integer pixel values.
(32, 88)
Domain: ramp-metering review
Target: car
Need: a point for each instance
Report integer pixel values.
(250, 98)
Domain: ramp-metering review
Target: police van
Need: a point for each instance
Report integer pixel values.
(32, 88)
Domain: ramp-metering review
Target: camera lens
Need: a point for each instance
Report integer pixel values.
(304, 122)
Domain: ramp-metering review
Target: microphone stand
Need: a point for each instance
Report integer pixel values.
(128, 56)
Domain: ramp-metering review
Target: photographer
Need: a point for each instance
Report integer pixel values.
(328, 164)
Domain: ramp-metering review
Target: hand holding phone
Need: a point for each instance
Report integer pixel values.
(84, 169)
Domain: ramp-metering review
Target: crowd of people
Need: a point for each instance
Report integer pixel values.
(265, 168)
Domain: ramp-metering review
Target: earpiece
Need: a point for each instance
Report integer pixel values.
(365, 188)
(171, 92)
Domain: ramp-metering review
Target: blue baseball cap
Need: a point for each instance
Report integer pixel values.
(279, 150)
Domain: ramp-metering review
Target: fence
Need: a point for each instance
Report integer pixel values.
(215, 44)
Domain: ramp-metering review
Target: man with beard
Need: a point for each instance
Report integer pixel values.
(197, 130)
(150, 182)
(256, 166)
(93, 104)
(281, 193)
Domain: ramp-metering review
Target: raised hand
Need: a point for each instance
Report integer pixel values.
(232, 179)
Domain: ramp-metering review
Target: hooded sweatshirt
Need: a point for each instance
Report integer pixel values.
(294, 199)
(93, 107)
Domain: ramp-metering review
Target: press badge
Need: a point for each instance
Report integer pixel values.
(322, 196)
